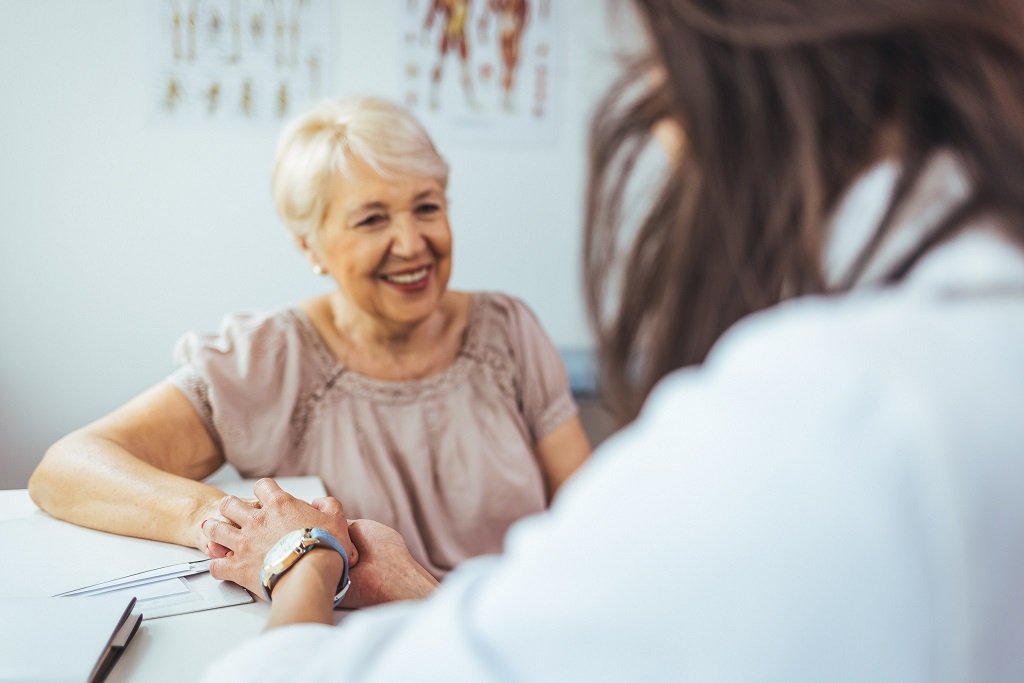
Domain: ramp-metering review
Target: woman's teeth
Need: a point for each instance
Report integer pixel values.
(410, 278)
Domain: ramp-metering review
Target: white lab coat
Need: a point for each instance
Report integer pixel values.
(836, 494)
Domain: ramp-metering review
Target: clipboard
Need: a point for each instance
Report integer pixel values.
(87, 635)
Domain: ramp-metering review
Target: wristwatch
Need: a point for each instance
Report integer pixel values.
(294, 545)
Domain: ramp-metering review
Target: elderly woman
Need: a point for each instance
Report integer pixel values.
(446, 415)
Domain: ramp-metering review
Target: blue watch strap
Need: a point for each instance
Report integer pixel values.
(322, 535)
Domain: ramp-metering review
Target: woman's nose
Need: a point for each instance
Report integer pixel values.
(408, 238)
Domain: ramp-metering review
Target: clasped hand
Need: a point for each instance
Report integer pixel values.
(239, 542)
(381, 568)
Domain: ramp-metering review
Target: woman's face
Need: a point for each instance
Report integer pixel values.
(387, 244)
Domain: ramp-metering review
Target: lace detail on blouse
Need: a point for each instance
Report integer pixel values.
(478, 325)
(475, 351)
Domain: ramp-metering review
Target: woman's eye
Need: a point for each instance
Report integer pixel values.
(372, 221)
(428, 209)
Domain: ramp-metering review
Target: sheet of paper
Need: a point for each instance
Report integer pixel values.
(204, 592)
(152, 592)
(182, 595)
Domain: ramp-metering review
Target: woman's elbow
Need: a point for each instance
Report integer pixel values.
(45, 485)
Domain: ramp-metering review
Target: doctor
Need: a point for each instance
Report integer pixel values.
(822, 317)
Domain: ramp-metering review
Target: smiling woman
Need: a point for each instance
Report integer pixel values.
(387, 243)
(444, 415)
(377, 223)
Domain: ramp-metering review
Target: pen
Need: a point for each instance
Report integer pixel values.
(149, 576)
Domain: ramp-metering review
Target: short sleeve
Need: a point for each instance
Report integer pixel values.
(543, 381)
(244, 382)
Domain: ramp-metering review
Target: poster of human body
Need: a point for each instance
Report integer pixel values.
(482, 71)
(258, 61)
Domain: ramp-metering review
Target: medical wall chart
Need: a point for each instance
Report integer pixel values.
(482, 71)
(258, 61)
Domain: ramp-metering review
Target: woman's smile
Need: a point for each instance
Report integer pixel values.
(409, 280)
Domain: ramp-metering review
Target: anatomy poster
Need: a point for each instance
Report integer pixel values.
(257, 61)
(481, 71)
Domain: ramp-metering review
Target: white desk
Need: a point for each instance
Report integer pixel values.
(55, 556)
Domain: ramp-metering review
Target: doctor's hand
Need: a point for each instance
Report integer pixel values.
(386, 571)
(250, 531)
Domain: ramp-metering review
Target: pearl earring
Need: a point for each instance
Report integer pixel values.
(319, 270)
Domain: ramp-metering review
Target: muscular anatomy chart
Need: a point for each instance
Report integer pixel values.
(481, 70)
(240, 60)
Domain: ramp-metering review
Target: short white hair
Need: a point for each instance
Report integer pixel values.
(321, 143)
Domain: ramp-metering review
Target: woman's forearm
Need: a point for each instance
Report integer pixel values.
(94, 482)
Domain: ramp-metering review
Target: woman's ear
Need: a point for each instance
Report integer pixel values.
(311, 255)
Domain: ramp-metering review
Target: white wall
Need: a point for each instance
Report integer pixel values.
(117, 233)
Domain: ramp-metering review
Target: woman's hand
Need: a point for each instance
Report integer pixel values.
(216, 550)
(386, 571)
(239, 545)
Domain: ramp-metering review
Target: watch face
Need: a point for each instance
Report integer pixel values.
(286, 546)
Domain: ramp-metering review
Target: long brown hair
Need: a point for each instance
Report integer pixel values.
(782, 103)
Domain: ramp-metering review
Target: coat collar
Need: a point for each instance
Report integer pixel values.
(979, 257)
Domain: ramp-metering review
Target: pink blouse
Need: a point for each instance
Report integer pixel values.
(447, 460)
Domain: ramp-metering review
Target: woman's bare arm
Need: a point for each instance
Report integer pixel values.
(135, 471)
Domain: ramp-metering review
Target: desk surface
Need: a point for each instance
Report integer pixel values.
(175, 648)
